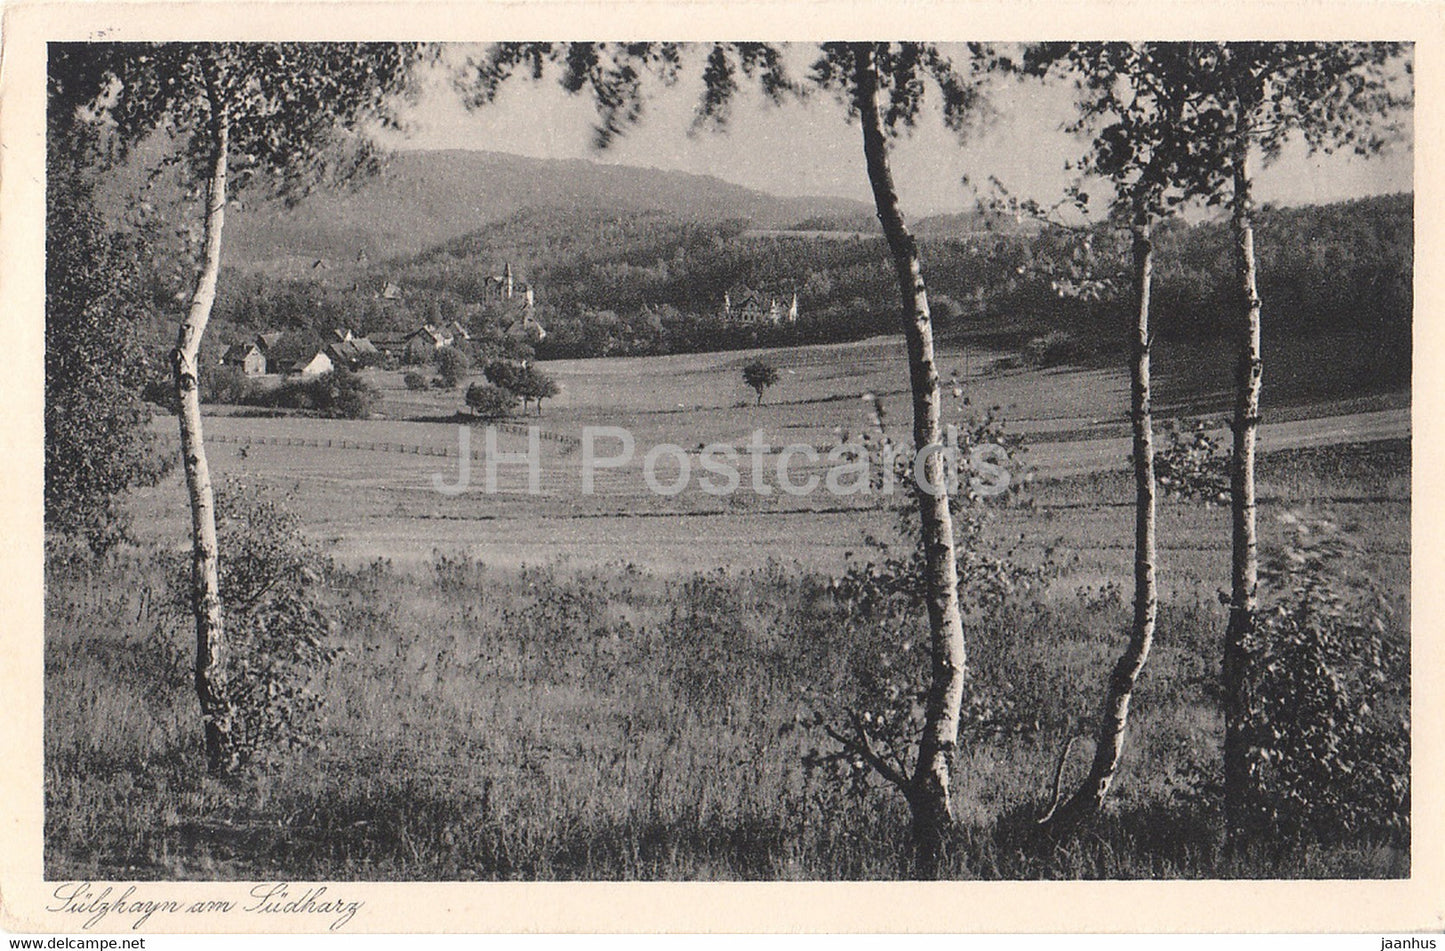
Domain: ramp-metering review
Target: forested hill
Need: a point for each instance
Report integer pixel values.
(614, 282)
(1325, 267)
(424, 198)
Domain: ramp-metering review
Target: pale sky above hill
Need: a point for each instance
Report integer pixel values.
(809, 148)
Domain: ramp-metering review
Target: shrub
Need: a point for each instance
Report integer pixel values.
(1052, 349)
(225, 384)
(414, 380)
(276, 626)
(489, 402)
(452, 365)
(1327, 701)
(1191, 464)
(339, 394)
(343, 394)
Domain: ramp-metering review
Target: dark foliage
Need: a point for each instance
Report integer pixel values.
(489, 401)
(452, 366)
(97, 440)
(338, 394)
(278, 632)
(1328, 698)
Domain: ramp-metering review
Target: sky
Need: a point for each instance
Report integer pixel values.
(808, 148)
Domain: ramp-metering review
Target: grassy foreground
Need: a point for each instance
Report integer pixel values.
(609, 723)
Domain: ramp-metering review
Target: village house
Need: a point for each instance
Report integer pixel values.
(297, 354)
(423, 343)
(392, 346)
(246, 357)
(353, 353)
(745, 306)
(526, 328)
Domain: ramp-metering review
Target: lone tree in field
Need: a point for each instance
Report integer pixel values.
(1136, 100)
(279, 113)
(760, 374)
(883, 86)
(1333, 96)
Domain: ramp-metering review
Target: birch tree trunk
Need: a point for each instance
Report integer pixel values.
(1114, 718)
(928, 792)
(217, 711)
(1244, 595)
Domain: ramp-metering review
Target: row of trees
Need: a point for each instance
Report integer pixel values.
(1169, 124)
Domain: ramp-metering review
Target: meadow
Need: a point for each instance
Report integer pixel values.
(368, 503)
(639, 707)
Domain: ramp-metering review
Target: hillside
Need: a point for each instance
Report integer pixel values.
(422, 199)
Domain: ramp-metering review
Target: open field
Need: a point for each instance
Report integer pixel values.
(631, 710)
(570, 721)
(379, 501)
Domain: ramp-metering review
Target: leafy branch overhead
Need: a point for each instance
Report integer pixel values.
(293, 111)
(614, 75)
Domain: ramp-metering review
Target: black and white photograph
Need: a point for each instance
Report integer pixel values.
(718, 460)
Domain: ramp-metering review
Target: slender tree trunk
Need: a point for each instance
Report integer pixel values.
(217, 711)
(1244, 597)
(928, 795)
(1114, 717)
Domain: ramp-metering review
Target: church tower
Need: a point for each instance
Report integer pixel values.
(507, 277)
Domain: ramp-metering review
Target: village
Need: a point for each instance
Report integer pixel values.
(304, 354)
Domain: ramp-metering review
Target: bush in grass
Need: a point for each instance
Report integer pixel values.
(1191, 463)
(1328, 702)
(488, 401)
(533, 386)
(339, 394)
(877, 700)
(452, 365)
(277, 629)
(414, 380)
(344, 395)
(227, 384)
(1052, 349)
(502, 373)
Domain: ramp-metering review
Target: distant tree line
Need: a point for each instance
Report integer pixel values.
(633, 284)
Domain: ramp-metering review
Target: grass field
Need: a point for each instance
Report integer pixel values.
(627, 710)
(576, 722)
(368, 503)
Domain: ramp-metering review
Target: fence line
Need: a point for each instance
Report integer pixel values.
(415, 449)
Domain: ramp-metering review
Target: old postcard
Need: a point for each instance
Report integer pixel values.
(700, 467)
